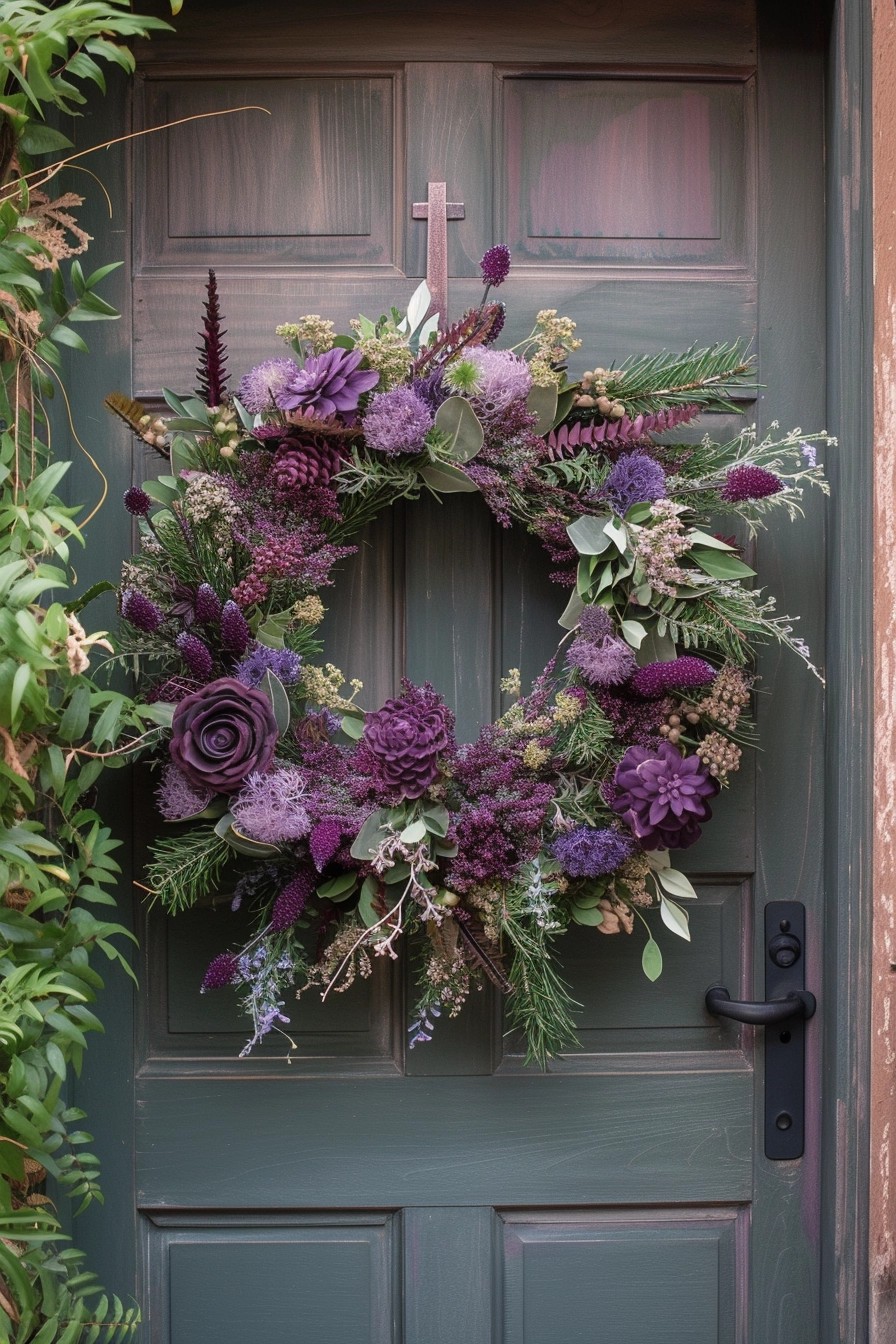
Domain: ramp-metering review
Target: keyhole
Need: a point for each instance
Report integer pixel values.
(784, 1038)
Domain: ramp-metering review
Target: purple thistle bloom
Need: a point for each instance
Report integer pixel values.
(291, 902)
(223, 970)
(206, 604)
(431, 389)
(235, 632)
(678, 674)
(137, 501)
(140, 612)
(595, 623)
(663, 796)
(586, 852)
(495, 265)
(177, 798)
(604, 662)
(269, 806)
(635, 479)
(397, 422)
(262, 387)
(283, 663)
(196, 655)
(503, 378)
(746, 482)
(324, 841)
(329, 384)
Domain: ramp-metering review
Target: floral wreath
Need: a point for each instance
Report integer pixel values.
(347, 830)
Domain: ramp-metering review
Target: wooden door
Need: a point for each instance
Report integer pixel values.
(657, 173)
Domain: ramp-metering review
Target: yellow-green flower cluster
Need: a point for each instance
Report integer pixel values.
(312, 330)
(310, 611)
(388, 353)
(322, 686)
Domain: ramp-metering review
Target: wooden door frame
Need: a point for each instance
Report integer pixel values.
(847, 1212)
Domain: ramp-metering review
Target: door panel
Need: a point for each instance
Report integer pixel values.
(635, 159)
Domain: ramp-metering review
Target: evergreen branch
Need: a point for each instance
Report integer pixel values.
(540, 1006)
(647, 383)
(186, 867)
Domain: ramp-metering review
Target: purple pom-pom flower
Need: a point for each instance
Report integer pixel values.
(261, 388)
(283, 663)
(663, 796)
(397, 422)
(746, 482)
(235, 632)
(196, 655)
(495, 265)
(139, 611)
(329, 384)
(678, 674)
(223, 970)
(604, 662)
(634, 479)
(587, 852)
(137, 501)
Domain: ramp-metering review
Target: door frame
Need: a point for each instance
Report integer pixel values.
(846, 1017)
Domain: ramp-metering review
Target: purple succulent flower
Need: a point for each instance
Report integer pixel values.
(291, 902)
(206, 605)
(137, 501)
(634, 479)
(587, 852)
(329, 384)
(297, 465)
(663, 796)
(235, 632)
(678, 674)
(261, 388)
(283, 663)
(324, 841)
(269, 806)
(139, 611)
(602, 662)
(748, 482)
(223, 970)
(397, 422)
(495, 265)
(177, 798)
(222, 733)
(196, 655)
(406, 737)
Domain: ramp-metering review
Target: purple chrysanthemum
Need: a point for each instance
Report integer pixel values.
(177, 798)
(283, 663)
(329, 384)
(595, 623)
(235, 632)
(634, 479)
(222, 971)
(195, 654)
(137, 501)
(206, 605)
(602, 662)
(678, 674)
(397, 422)
(269, 806)
(324, 841)
(495, 265)
(586, 852)
(261, 387)
(663, 796)
(748, 482)
(291, 902)
(139, 611)
(503, 378)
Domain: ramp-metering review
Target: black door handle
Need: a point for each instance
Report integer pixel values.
(799, 1003)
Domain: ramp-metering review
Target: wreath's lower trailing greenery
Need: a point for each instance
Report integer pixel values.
(58, 728)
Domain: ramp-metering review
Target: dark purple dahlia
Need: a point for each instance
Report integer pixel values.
(221, 733)
(663, 796)
(406, 737)
(329, 384)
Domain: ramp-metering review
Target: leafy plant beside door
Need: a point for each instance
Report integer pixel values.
(59, 729)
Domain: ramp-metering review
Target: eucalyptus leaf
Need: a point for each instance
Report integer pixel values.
(587, 534)
(633, 632)
(371, 833)
(273, 688)
(658, 859)
(675, 918)
(161, 493)
(698, 538)
(353, 727)
(720, 565)
(572, 612)
(617, 534)
(413, 834)
(587, 900)
(243, 844)
(447, 480)
(652, 960)
(542, 402)
(366, 909)
(456, 419)
(338, 888)
(436, 819)
(590, 917)
(399, 872)
(564, 406)
(656, 647)
(418, 305)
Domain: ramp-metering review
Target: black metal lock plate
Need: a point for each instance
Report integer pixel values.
(785, 1043)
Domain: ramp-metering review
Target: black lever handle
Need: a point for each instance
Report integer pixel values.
(799, 1003)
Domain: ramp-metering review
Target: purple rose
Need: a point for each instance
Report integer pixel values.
(221, 733)
(663, 796)
(406, 737)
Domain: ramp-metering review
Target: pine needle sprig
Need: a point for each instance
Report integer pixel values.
(211, 374)
(185, 868)
(540, 1006)
(705, 376)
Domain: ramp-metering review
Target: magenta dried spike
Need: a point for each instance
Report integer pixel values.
(211, 374)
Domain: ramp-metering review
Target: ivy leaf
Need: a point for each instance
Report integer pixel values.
(652, 960)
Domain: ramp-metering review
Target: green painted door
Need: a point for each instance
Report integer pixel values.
(656, 170)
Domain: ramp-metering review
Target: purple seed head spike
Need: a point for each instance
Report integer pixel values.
(211, 374)
(235, 632)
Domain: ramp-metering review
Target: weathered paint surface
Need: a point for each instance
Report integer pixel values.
(883, 1091)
